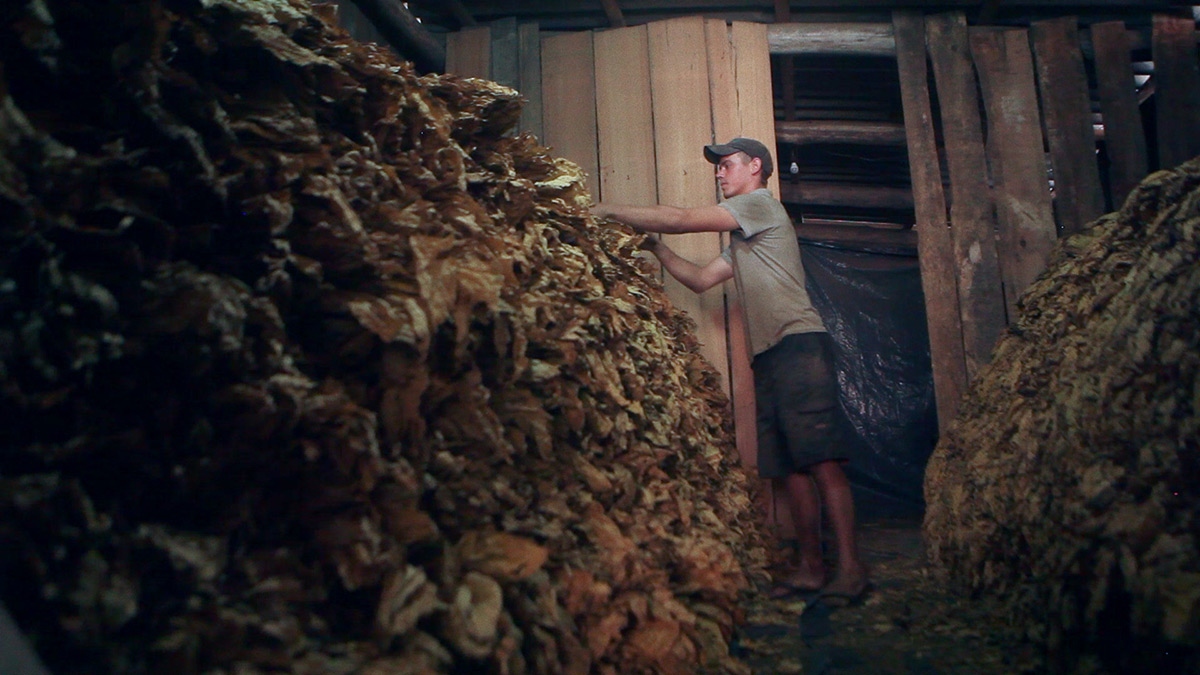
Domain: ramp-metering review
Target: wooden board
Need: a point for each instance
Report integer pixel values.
(1177, 82)
(682, 126)
(624, 117)
(756, 101)
(469, 52)
(727, 124)
(1024, 212)
(972, 217)
(935, 249)
(1124, 135)
(505, 62)
(569, 102)
(1067, 112)
(529, 54)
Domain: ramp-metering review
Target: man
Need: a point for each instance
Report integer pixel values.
(794, 381)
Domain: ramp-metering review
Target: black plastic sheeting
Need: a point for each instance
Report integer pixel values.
(874, 309)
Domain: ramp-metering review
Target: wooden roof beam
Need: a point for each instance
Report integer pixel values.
(461, 15)
(807, 132)
(831, 38)
(612, 9)
(840, 194)
(402, 30)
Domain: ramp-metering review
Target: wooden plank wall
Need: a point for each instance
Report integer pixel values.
(1028, 80)
(569, 101)
(469, 52)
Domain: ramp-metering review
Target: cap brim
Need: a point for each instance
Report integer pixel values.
(714, 153)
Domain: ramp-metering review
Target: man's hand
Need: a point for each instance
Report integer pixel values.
(649, 243)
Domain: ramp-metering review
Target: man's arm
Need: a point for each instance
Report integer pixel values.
(669, 219)
(695, 277)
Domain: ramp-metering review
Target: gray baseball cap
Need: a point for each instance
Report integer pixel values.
(714, 153)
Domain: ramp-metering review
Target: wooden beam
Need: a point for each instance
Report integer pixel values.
(1177, 101)
(817, 193)
(1124, 137)
(972, 213)
(831, 38)
(402, 30)
(837, 232)
(840, 131)
(612, 9)
(1067, 114)
(460, 13)
(1024, 212)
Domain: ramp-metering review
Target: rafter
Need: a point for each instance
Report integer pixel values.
(612, 9)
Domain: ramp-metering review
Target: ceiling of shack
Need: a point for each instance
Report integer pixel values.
(827, 88)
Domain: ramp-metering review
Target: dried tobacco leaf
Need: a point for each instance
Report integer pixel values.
(1066, 486)
(313, 368)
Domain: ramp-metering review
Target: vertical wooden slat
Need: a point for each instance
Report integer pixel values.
(1177, 83)
(1124, 136)
(569, 102)
(755, 100)
(1022, 193)
(624, 118)
(972, 217)
(682, 126)
(469, 52)
(935, 249)
(505, 65)
(1067, 110)
(727, 124)
(529, 53)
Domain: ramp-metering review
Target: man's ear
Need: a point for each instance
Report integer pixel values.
(755, 165)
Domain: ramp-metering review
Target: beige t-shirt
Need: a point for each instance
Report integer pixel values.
(768, 272)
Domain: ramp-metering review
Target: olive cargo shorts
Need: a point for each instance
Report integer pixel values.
(796, 394)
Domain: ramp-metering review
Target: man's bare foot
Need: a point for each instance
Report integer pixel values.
(800, 581)
(849, 583)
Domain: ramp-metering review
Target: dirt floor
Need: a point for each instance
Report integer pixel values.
(909, 622)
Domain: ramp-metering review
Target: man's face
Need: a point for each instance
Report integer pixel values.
(737, 174)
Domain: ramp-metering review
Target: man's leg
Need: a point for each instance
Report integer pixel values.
(806, 516)
(850, 577)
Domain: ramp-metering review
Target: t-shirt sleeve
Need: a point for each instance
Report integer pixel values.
(754, 212)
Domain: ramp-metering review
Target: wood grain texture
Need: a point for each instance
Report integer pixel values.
(1177, 78)
(469, 52)
(569, 102)
(1067, 113)
(1124, 135)
(935, 248)
(1024, 212)
(972, 215)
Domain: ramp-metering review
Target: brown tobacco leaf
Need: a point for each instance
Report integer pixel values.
(500, 555)
(314, 367)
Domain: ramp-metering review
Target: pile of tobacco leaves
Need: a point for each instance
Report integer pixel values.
(306, 366)
(1068, 484)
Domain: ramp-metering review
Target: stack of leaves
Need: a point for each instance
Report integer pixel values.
(306, 366)
(1067, 485)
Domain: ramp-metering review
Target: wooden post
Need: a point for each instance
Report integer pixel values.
(1124, 136)
(1178, 89)
(569, 102)
(972, 216)
(405, 33)
(1067, 110)
(935, 249)
(1023, 209)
